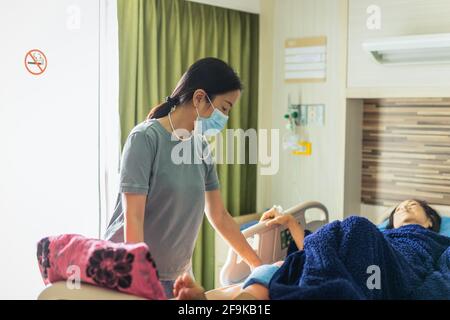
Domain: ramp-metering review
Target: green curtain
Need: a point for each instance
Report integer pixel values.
(158, 41)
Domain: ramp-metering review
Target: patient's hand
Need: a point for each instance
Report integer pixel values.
(279, 263)
(185, 288)
(273, 217)
(269, 214)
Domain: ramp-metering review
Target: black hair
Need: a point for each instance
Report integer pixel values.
(429, 211)
(212, 75)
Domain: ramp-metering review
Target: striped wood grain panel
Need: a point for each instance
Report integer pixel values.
(406, 151)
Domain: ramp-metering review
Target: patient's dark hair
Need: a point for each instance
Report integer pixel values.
(210, 74)
(429, 211)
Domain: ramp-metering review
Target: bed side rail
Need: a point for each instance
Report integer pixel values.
(270, 243)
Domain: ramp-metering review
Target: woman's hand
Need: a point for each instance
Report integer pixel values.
(185, 288)
(227, 227)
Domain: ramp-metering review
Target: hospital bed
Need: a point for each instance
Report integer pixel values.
(270, 243)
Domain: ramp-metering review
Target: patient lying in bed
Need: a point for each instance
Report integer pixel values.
(256, 285)
(410, 212)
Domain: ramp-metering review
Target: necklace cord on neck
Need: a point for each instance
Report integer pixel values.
(187, 139)
(173, 128)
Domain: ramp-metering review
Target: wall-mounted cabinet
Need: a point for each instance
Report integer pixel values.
(369, 20)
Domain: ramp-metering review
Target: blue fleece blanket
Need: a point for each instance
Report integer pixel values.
(342, 260)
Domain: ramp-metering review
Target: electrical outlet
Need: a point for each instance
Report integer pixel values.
(320, 115)
(311, 115)
(316, 114)
(304, 115)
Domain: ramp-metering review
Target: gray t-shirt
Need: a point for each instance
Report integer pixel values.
(175, 196)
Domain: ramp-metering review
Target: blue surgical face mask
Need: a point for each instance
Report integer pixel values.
(214, 124)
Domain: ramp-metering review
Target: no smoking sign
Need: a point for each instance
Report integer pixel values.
(35, 62)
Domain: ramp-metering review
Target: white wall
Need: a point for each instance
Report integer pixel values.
(49, 126)
(252, 6)
(321, 176)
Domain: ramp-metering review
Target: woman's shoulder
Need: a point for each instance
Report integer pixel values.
(147, 128)
(145, 135)
(144, 126)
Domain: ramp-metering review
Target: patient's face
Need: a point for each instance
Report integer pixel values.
(411, 212)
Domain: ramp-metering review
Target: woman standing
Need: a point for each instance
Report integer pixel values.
(161, 200)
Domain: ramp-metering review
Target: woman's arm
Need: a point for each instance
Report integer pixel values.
(134, 206)
(222, 221)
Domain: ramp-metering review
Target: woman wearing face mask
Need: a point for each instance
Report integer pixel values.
(162, 200)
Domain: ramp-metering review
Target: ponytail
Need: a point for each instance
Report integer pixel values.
(163, 109)
(210, 74)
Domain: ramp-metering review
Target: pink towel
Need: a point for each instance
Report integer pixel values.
(128, 268)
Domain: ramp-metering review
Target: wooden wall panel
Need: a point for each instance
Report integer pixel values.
(406, 151)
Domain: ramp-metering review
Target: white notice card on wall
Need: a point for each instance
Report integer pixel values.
(306, 59)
